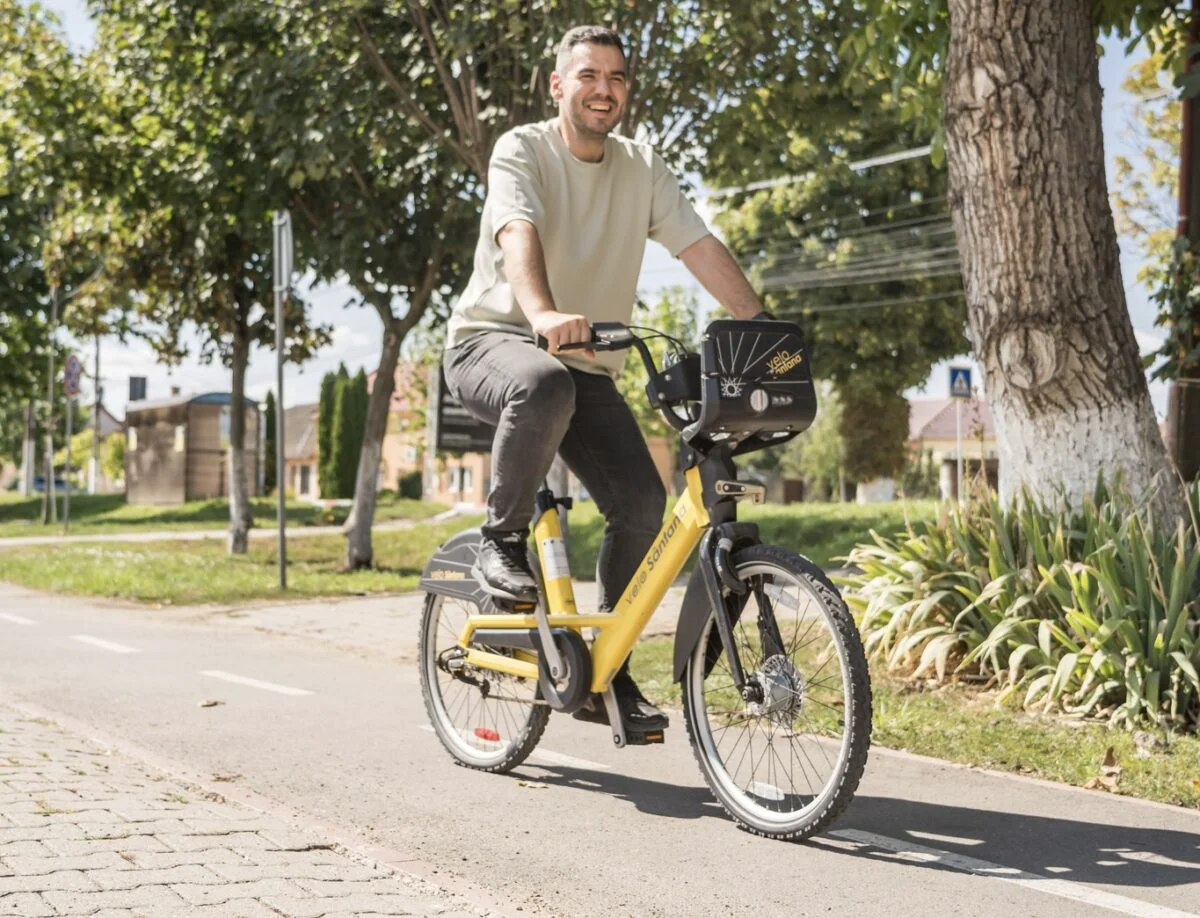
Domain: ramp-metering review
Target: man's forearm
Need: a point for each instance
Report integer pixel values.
(710, 263)
(525, 268)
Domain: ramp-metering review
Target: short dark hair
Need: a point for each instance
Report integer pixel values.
(586, 35)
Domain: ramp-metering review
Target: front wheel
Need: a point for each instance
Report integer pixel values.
(784, 757)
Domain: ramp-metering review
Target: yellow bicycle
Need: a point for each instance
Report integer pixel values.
(775, 687)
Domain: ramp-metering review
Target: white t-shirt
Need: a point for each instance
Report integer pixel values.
(593, 220)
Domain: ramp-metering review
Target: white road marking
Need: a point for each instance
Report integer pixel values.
(1064, 889)
(104, 645)
(950, 839)
(550, 757)
(254, 683)
(16, 619)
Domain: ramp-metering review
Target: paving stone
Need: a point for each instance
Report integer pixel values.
(72, 846)
(95, 834)
(127, 879)
(37, 865)
(150, 898)
(24, 849)
(63, 880)
(25, 905)
(216, 894)
(183, 842)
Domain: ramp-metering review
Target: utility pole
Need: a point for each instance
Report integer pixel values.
(1183, 395)
(49, 506)
(28, 452)
(282, 265)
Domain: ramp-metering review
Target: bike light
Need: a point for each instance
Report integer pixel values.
(490, 736)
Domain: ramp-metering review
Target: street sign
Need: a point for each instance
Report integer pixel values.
(72, 374)
(457, 430)
(960, 382)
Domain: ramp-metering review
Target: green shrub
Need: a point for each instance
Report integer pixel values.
(410, 485)
(1090, 611)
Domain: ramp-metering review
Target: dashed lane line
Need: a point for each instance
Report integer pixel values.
(254, 683)
(1064, 889)
(103, 644)
(16, 619)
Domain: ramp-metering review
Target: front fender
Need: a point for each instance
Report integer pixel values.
(693, 616)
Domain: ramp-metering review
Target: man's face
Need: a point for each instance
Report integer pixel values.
(591, 90)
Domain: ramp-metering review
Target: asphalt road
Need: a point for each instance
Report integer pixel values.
(342, 737)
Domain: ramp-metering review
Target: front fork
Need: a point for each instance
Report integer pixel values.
(726, 596)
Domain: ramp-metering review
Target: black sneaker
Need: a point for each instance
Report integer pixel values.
(502, 567)
(636, 711)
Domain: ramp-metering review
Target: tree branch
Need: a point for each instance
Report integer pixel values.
(407, 103)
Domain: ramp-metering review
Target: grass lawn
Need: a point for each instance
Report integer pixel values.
(200, 572)
(962, 724)
(821, 532)
(109, 513)
(182, 573)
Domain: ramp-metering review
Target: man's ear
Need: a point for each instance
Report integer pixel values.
(555, 86)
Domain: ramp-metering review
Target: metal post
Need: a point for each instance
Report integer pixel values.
(49, 505)
(67, 469)
(958, 436)
(94, 471)
(283, 279)
(28, 453)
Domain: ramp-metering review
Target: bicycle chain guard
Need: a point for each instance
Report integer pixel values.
(577, 682)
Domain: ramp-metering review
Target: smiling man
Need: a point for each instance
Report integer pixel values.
(569, 208)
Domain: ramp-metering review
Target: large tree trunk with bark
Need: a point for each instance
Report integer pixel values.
(1047, 313)
(239, 498)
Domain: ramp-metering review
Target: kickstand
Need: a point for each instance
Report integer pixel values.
(614, 717)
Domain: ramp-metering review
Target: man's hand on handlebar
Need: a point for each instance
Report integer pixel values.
(559, 328)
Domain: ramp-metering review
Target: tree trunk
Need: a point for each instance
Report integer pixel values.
(1046, 307)
(359, 551)
(239, 499)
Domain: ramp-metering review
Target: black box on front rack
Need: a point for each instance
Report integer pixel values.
(756, 380)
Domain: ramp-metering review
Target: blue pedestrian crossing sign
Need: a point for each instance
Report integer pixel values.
(960, 382)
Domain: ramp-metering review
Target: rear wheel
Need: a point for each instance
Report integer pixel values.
(785, 761)
(486, 720)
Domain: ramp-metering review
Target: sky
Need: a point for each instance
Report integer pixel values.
(357, 331)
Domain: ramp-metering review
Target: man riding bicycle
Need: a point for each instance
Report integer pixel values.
(569, 208)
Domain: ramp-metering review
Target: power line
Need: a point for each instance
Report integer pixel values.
(875, 249)
(809, 226)
(934, 267)
(873, 304)
(860, 166)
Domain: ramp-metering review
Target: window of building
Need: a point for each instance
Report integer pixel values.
(410, 454)
(131, 439)
(467, 480)
(305, 478)
(179, 437)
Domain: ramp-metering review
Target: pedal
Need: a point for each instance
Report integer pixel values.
(516, 606)
(622, 735)
(649, 738)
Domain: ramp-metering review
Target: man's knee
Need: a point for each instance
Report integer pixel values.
(546, 391)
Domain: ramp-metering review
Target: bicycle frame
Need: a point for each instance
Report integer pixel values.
(620, 629)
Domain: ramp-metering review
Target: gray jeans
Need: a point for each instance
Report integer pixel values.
(538, 407)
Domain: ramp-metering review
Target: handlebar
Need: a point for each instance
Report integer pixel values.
(616, 336)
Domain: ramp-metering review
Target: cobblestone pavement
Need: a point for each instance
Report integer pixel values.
(87, 832)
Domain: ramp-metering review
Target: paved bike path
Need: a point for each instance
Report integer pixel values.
(583, 828)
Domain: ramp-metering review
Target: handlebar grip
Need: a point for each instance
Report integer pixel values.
(543, 344)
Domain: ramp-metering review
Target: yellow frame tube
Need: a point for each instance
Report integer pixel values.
(621, 628)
